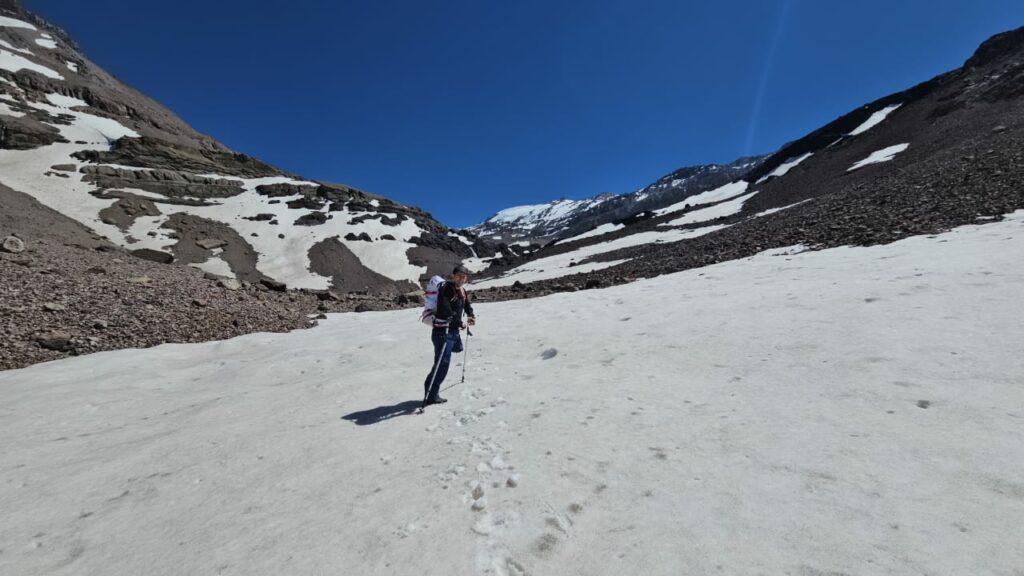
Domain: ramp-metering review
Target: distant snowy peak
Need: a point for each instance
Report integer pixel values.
(697, 176)
(566, 218)
(535, 220)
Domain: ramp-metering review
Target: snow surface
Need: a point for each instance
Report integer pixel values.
(62, 101)
(883, 155)
(47, 43)
(875, 119)
(6, 22)
(72, 66)
(718, 194)
(784, 167)
(600, 230)
(13, 63)
(719, 210)
(848, 411)
(559, 265)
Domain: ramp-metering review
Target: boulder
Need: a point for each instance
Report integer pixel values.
(229, 284)
(59, 341)
(274, 285)
(211, 243)
(157, 256)
(13, 245)
(311, 219)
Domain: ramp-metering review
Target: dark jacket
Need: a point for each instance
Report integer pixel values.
(451, 302)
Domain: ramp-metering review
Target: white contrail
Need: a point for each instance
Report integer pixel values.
(766, 71)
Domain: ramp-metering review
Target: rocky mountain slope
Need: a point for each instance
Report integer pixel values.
(947, 152)
(89, 147)
(541, 223)
(121, 226)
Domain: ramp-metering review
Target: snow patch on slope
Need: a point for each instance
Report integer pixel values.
(12, 48)
(599, 231)
(879, 156)
(14, 63)
(718, 194)
(784, 167)
(719, 210)
(6, 22)
(875, 119)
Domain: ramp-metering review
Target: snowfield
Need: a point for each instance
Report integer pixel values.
(849, 411)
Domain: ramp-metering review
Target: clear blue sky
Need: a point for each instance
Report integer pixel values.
(466, 107)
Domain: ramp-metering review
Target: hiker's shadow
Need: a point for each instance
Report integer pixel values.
(381, 413)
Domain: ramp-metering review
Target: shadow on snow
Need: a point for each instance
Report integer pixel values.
(381, 413)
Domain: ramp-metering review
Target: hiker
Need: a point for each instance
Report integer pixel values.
(451, 302)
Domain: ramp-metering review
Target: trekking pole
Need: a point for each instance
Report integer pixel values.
(465, 359)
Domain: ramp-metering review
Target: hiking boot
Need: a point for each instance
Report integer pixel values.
(437, 400)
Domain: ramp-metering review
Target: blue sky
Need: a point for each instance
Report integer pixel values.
(466, 107)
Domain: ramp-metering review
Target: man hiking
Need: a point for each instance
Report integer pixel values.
(452, 301)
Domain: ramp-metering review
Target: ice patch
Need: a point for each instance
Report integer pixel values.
(883, 155)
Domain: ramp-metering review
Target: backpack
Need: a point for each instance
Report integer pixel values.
(430, 305)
